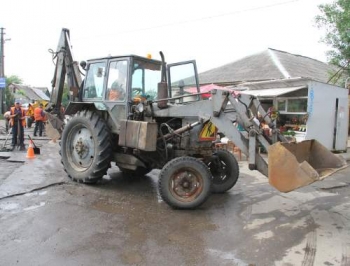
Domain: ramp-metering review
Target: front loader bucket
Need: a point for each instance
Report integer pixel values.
(294, 165)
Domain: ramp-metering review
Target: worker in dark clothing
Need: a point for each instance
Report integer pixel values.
(39, 117)
(18, 123)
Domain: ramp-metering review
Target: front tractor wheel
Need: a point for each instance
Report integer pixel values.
(185, 183)
(86, 147)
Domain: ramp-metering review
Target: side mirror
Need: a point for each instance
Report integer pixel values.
(83, 65)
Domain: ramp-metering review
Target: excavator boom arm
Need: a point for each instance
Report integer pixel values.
(65, 67)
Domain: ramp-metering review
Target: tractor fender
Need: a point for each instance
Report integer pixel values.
(74, 107)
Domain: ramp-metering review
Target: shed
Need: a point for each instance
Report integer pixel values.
(311, 109)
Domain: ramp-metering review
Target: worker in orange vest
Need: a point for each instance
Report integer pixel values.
(18, 122)
(117, 92)
(39, 117)
(30, 115)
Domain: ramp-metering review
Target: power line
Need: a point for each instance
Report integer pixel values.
(198, 19)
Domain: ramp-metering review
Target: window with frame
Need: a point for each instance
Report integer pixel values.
(117, 80)
(292, 105)
(281, 104)
(297, 105)
(145, 79)
(94, 81)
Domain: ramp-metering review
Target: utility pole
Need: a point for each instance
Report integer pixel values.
(2, 71)
(2, 90)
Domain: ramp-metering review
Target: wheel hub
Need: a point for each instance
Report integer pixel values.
(81, 148)
(81, 144)
(219, 170)
(185, 184)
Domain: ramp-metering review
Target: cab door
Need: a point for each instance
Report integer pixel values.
(116, 91)
(94, 81)
(183, 82)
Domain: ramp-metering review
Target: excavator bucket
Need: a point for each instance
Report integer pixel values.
(53, 126)
(294, 165)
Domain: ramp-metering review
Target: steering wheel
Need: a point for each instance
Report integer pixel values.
(136, 91)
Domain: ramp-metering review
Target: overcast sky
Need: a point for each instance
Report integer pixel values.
(212, 32)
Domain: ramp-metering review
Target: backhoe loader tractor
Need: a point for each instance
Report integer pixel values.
(138, 113)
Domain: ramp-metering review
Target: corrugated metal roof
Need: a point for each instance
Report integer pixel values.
(29, 93)
(272, 92)
(270, 64)
(41, 94)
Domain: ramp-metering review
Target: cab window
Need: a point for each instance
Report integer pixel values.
(145, 79)
(117, 80)
(94, 81)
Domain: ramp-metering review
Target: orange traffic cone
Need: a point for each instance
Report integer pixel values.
(30, 152)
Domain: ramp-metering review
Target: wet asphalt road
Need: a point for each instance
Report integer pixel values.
(45, 219)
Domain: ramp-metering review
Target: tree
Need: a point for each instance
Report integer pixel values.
(13, 79)
(335, 19)
(9, 99)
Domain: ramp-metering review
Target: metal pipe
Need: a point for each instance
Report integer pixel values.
(181, 130)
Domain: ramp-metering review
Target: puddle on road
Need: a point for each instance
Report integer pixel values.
(132, 257)
(9, 206)
(17, 207)
(7, 168)
(141, 219)
(108, 208)
(41, 204)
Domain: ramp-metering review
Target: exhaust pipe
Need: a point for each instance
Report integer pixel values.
(162, 86)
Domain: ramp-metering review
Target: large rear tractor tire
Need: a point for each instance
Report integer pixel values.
(225, 171)
(86, 147)
(185, 183)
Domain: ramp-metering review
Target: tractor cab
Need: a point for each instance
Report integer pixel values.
(117, 84)
(116, 80)
(120, 79)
